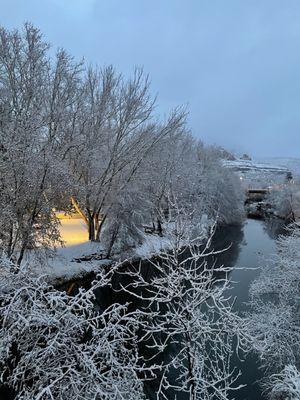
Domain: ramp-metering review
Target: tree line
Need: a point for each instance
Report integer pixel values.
(74, 136)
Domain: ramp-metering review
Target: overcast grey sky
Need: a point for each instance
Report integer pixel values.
(235, 63)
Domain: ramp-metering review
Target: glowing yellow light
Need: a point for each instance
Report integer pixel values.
(73, 229)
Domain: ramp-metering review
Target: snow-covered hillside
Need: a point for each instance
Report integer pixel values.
(248, 165)
(293, 164)
(259, 175)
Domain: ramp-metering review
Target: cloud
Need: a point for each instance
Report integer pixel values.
(235, 63)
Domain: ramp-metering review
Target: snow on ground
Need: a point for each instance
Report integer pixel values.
(72, 230)
(61, 264)
(61, 267)
(152, 245)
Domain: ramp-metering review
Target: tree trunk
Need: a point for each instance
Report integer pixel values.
(78, 209)
(91, 228)
(22, 252)
(99, 227)
(159, 227)
(96, 225)
(191, 376)
(112, 241)
(10, 242)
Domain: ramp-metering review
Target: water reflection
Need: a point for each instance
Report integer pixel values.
(259, 243)
(230, 238)
(274, 227)
(246, 246)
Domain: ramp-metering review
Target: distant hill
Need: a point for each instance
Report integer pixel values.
(292, 164)
(259, 174)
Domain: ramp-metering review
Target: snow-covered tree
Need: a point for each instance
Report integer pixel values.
(190, 325)
(117, 130)
(182, 166)
(69, 132)
(53, 346)
(34, 102)
(221, 190)
(285, 200)
(285, 385)
(274, 321)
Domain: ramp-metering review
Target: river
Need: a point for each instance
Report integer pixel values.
(251, 244)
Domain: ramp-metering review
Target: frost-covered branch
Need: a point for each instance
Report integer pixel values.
(56, 346)
(191, 324)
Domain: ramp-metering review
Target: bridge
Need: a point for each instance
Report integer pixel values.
(256, 195)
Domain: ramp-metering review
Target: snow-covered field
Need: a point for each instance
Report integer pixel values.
(62, 264)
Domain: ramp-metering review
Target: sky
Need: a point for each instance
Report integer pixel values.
(235, 64)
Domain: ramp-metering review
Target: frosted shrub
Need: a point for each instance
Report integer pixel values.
(53, 346)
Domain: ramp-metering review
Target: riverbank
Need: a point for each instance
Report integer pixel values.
(81, 259)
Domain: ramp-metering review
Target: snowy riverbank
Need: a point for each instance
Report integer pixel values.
(80, 257)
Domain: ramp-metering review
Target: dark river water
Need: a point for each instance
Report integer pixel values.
(250, 245)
